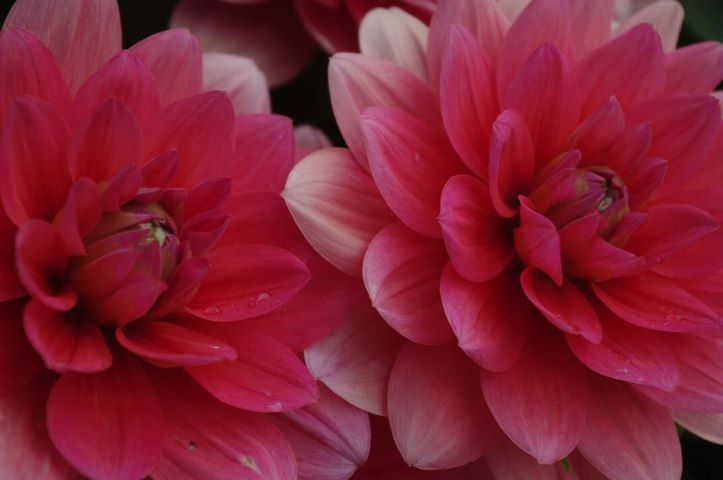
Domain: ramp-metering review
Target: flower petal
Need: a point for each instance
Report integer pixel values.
(537, 242)
(694, 69)
(19, 362)
(591, 24)
(666, 16)
(401, 272)
(708, 426)
(240, 78)
(110, 424)
(444, 426)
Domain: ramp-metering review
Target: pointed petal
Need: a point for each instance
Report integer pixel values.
(337, 206)
(629, 437)
(266, 377)
(357, 82)
(410, 162)
(708, 426)
(81, 35)
(598, 131)
(489, 319)
(107, 425)
(246, 281)
(666, 16)
(590, 24)
(478, 241)
(240, 78)
(401, 273)
(540, 402)
(537, 242)
(441, 427)
(694, 69)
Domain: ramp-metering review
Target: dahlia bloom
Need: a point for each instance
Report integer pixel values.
(535, 208)
(154, 289)
(280, 35)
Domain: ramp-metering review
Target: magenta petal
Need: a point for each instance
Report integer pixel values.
(477, 239)
(537, 242)
(652, 301)
(436, 410)
(694, 69)
(629, 437)
(401, 273)
(170, 344)
(598, 131)
(330, 438)
(90, 27)
(110, 424)
(467, 98)
(207, 439)
(266, 377)
(628, 353)
(540, 402)
(489, 319)
(67, 343)
(246, 281)
(80, 214)
(410, 161)
(19, 362)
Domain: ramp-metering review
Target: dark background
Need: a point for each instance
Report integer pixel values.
(305, 100)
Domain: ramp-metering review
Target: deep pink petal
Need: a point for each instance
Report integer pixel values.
(535, 93)
(25, 449)
(175, 60)
(27, 67)
(240, 78)
(337, 206)
(266, 377)
(537, 242)
(511, 162)
(359, 353)
(628, 353)
(183, 284)
(598, 131)
(107, 425)
(630, 67)
(25, 194)
(330, 438)
(694, 69)
(79, 216)
(200, 129)
(134, 298)
(19, 362)
(357, 82)
(92, 28)
(652, 301)
(67, 343)
(540, 402)
(263, 152)
(467, 98)
(629, 437)
(401, 273)
(565, 306)
(436, 410)
(410, 161)
(166, 343)
(478, 241)
(666, 16)
(542, 22)
(489, 319)
(246, 281)
(207, 439)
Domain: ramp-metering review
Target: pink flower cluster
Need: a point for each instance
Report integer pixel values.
(513, 271)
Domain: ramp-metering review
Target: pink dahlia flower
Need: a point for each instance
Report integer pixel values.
(280, 35)
(537, 212)
(153, 287)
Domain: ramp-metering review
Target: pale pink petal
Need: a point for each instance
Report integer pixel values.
(397, 36)
(467, 98)
(666, 16)
(540, 402)
(25, 449)
(207, 439)
(337, 207)
(483, 18)
(629, 437)
(509, 462)
(357, 82)
(309, 139)
(266, 377)
(477, 239)
(356, 360)
(402, 271)
(110, 424)
(591, 24)
(489, 319)
(81, 35)
(269, 33)
(410, 161)
(706, 425)
(240, 78)
(246, 281)
(436, 410)
(694, 69)
(330, 438)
